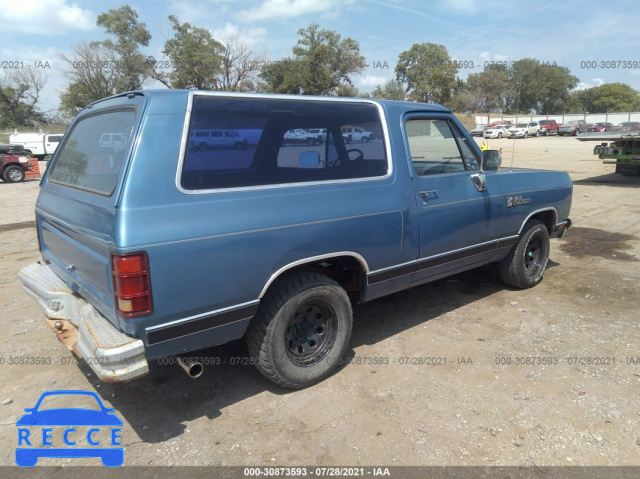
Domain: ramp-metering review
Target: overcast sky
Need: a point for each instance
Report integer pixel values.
(568, 32)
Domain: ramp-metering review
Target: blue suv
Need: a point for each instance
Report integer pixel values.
(151, 248)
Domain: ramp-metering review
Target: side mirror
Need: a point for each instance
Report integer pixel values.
(309, 159)
(491, 160)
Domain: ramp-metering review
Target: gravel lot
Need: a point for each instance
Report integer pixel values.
(544, 377)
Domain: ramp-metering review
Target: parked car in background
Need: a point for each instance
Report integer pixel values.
(524, 130)
(548, 127)
(357, 134)
(573, 127)
(497, 131)
(627, 126)
(319, 133)
(37, 145)
(204, 139)
(501, 122)
(600, 126)
(298, 136)
(13, 168)
(11, 149)
(479, 130)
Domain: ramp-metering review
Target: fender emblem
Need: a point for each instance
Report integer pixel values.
(517, 201)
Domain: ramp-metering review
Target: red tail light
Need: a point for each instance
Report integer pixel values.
(131, 284)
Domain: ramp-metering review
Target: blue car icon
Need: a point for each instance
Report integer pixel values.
(70, 417)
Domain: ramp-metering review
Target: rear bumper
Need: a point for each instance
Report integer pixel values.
(114, 356)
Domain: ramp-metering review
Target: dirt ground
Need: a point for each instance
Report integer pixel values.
(548, 376)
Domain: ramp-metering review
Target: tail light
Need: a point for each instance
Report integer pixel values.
(131, 284)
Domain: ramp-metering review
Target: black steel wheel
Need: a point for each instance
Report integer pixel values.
(301, 330)
(526, 262)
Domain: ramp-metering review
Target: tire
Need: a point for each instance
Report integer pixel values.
(526, 262)
(294, 305)
(13, 174)
(365, 139)
(537, 134)
(526, 135)
(499, 135)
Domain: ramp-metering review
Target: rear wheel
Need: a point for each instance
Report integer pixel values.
(301, 330)
(526, 262)
(13, 174)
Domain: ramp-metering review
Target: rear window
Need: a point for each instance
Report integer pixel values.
(92, 154)
(271, 141)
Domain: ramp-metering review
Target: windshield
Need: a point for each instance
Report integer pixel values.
(521, 125)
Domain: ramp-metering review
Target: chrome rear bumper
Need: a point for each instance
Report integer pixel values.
(114, 356)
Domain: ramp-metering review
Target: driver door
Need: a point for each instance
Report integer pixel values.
(455, 218)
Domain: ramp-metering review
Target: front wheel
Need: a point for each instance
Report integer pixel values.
(301, 330)
(526, 262)
(526, 134)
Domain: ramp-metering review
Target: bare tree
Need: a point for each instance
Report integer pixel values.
(92, 73)
(240, 65)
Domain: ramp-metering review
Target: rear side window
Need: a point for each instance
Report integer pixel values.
(265, 141)
(92, 154)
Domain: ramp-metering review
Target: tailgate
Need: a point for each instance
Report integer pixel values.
(76, 209)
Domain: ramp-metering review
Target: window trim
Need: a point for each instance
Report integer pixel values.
(185, 138)
(458, 134)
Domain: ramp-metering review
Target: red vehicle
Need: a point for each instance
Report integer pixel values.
(501, 122)
(548, 127)
(13, 168)
(627, 126)
(600, 126)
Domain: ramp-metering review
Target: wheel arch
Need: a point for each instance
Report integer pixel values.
(548, 216)
(347, 268)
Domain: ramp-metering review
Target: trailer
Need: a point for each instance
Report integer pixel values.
(622, 151)
(38, 145)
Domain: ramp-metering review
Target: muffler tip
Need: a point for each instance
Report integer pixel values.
(194, 369)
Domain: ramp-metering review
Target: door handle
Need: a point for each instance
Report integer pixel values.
(426, 194)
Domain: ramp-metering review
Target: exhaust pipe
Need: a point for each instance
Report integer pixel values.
(193, 369)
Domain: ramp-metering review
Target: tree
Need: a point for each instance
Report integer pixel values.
(19, 98)
(538, 87)
(196, 57)
(92, 75)
(323, 63)
(284, 76)
(392, 90)
(487, 88)
(100, 69)
(129, 35)
(240, 65)
(610, 97)
(428, 72)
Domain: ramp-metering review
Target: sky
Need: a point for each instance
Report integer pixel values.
(589, 37)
